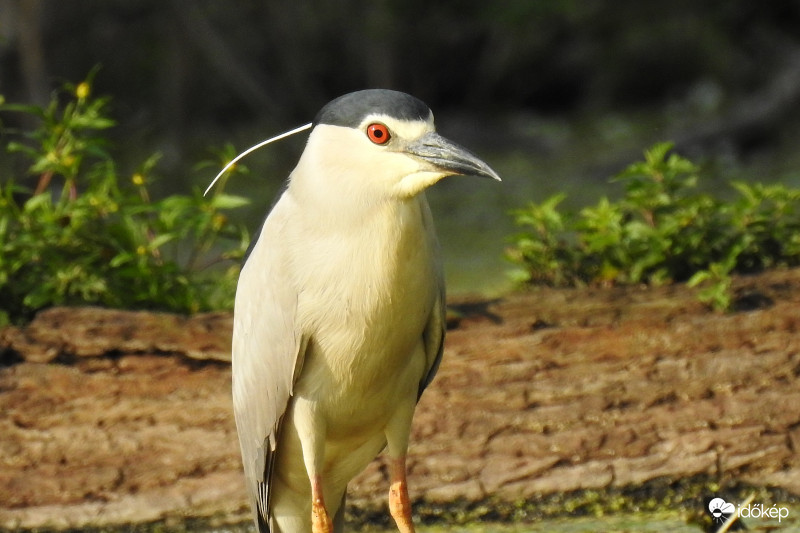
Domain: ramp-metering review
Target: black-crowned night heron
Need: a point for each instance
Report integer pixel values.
(339, 316)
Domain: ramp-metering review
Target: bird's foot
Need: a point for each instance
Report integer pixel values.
(400, 507)
(320, 521)
(399, 504)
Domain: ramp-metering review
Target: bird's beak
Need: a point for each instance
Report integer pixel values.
(449, 157)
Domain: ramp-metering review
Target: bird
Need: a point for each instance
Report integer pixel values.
(339, 314)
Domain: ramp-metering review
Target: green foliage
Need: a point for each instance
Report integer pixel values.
(88, 235)
(662, 230)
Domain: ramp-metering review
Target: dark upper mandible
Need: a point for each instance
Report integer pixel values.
(349, 110)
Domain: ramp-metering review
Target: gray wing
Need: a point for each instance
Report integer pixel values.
(434, 333)
(267, 355)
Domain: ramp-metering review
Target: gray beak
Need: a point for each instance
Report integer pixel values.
(450, 157)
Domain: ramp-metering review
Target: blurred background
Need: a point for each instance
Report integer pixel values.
(557, 95)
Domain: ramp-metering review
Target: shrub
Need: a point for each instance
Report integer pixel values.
(88, 235)
(662, 230)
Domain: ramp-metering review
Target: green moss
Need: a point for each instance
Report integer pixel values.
(658, 497)
(663, 501)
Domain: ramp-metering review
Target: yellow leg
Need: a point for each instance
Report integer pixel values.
(399, 505)
(320, 521)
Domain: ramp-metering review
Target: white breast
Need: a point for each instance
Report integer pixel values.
(363, 326)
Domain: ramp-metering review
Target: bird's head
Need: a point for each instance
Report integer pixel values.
(382, 144)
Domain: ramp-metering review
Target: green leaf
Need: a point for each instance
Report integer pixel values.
(228, 201)
(102, 239)
(698, 278)
(662, 229)
(161, 240)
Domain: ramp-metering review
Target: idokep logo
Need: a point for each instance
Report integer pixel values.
(757, 510)
(722, 511)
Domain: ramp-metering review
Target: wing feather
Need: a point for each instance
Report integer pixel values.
(267, 354)
(433, 336)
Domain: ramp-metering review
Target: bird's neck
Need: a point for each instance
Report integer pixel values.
(357, 210)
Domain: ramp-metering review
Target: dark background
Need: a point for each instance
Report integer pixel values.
(556, 94)
(174, 67)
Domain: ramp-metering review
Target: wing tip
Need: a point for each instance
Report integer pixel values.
(262, 523)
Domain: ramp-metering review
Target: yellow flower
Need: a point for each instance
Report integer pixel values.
(141, 250)
(138, 179)
(82, 90)
(218, 221)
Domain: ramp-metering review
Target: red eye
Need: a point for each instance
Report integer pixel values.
(378, 133)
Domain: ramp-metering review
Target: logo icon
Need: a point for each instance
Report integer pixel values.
(720, 510)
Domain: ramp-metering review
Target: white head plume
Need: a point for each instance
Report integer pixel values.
(254, 148)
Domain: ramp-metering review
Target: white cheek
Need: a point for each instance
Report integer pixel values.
(416, 182)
